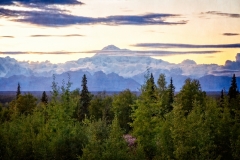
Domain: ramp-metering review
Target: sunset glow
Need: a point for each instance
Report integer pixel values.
(64, 32)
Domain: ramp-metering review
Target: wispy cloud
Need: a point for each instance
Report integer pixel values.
(224, 71)
(230, 34)
(178, 45)
(49, 18)
(232, 15)
(10, 2)
(73, 35)
(69, 35)
(149, 53)
(119, 52)
(28, 52)
(6, 36)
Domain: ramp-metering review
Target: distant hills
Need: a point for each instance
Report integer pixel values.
(113, 69)
(99, 81)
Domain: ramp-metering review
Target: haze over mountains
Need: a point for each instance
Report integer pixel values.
(113, 69)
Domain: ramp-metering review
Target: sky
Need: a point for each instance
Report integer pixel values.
(206, 31)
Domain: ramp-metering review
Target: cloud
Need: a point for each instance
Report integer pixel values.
(178, 45)
(148, 53)
(69, 35)
(224, 71)
(230, 34)
(73, 35)
(233, 65)
(6, 36)
(232, 15)
(117, 53)
(53, 18)
(26, 2)
(56, 52)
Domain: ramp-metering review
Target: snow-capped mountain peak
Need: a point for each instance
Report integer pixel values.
(110, 48)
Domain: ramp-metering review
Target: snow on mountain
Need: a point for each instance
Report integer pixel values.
(188, 62)
(10, 66)
(113, 69)
(110, 59)
(110, 48)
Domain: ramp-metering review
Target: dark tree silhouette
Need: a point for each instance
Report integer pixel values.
(44, 98)
(221, 101)
(18, 91)
(233, 90)
(171, 90)
(84, 101)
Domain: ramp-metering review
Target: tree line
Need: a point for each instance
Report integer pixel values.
(157, 124)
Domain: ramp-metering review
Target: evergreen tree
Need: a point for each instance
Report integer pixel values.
(221, 98)
(44, 98)
(233, 90)
(18, 91)
(162, 91)
(162, 84)
(146, 115)
(84, 100)
(151, 88)
(171, 90)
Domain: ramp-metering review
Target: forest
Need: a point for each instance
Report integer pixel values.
(157, 124)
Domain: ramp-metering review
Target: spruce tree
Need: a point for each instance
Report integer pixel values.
(162, 94)
(151, 88)
(222, 98)
(146, 116)
(44, 98)
(233, 90)
(171, 90)
(18, 91)
(84, 101)
(162, 84)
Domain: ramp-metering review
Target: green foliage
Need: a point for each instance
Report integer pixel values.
(146, 117)
(165, 94)
(192, 135)
(47, 133)
(106, 146)
(162, 84)
(84, 102)
(55, 90)
(190, 93)
(115, 146)
(24, 104)
(122, 107)
(164, 140)
(101, 107)
(196, 127)
(5, 114)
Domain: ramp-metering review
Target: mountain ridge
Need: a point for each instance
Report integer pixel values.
(111, 64)
(99, 81)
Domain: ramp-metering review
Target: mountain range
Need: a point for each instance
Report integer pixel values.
(113, 69)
